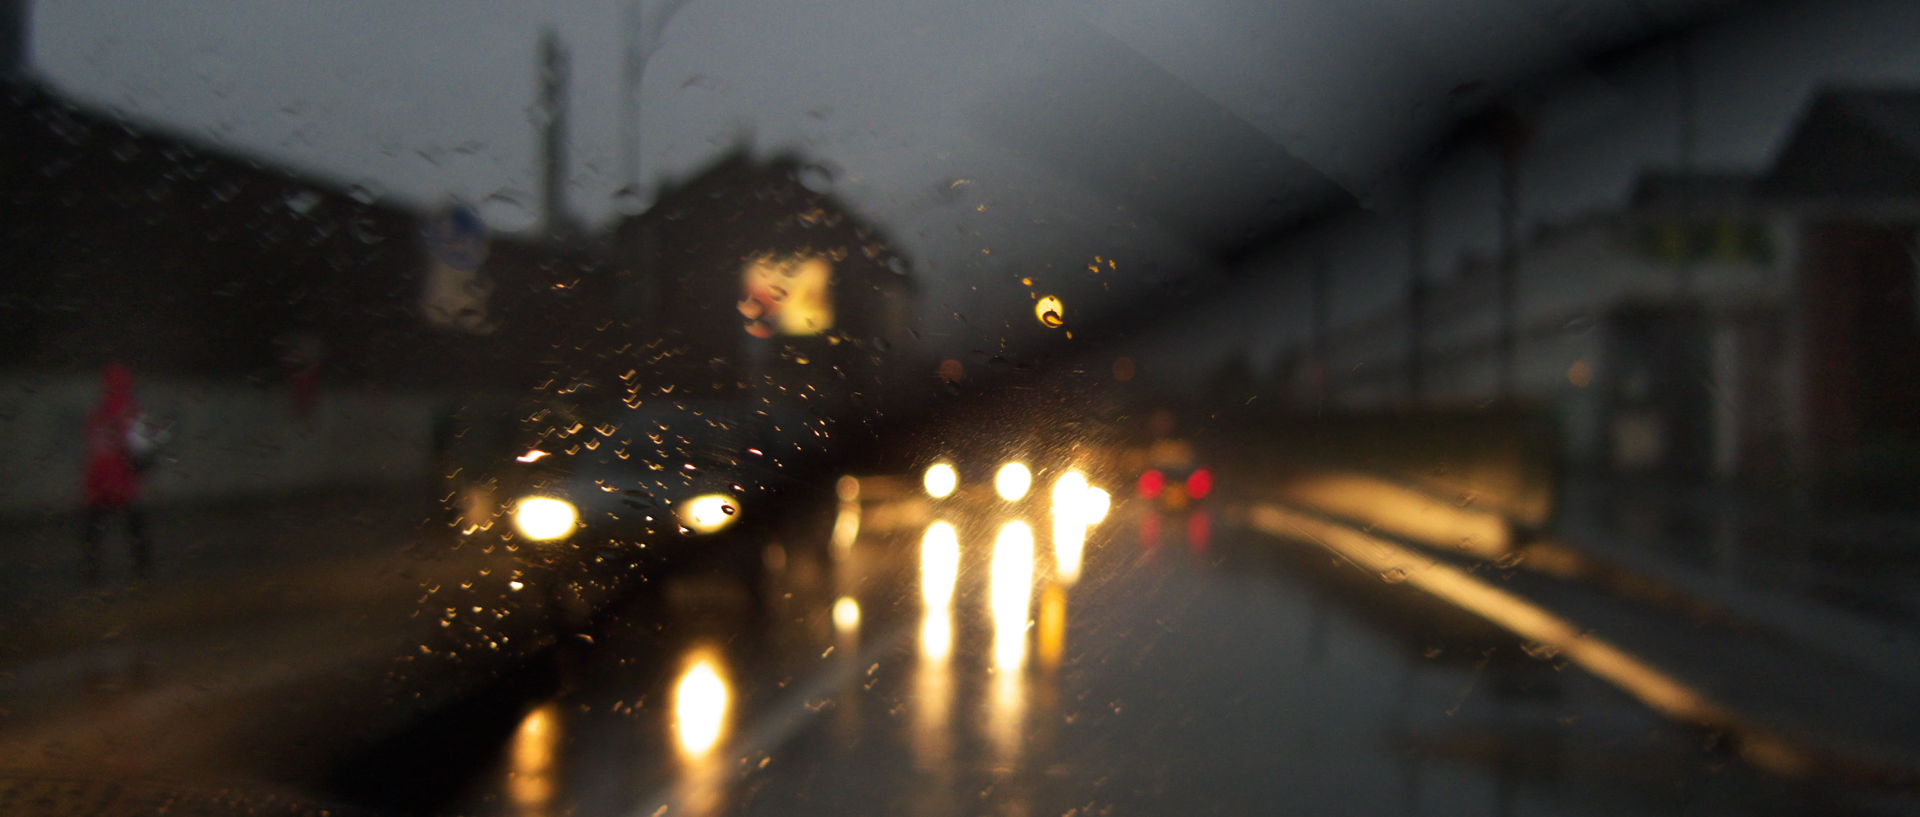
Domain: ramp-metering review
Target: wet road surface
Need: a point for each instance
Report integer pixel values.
(890, 664)
(1194, 667)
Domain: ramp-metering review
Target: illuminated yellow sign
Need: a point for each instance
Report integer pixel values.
(787, 295)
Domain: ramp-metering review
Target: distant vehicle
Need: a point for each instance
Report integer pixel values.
(1171, 474)
(1030, 483)
(1173, 479)
(988, 471)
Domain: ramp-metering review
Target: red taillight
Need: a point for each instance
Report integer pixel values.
(1152, 483)
(1200, 484)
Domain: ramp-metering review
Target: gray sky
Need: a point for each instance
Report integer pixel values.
(995, 139)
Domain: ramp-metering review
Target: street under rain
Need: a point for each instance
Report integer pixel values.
(640, 408)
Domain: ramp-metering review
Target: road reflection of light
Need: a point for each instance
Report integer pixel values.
(1199, 531)
(940, 480)
(1053, 625)
(1403, 511)
(846, 528)
(933, 678)
(700, 700)
(939, 564)
(1006, 713)
(1654, 687)
(1150, 530)
(1012, 481)
(1069, 544)
(936, 637)
(530, 782)
(846, 616)
(933, 691)
(1010, 594)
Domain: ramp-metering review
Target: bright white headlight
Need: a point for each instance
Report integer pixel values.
(544, 518)
(1012, 481)
(709, 512)
(940, 480)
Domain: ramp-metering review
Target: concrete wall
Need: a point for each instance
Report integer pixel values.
(229, 440)
(1566, 282)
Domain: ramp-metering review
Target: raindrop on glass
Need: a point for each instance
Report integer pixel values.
(365, 192)
(303, 202)
(630, 200)
(509, 210)
(364, 230)
(815, 178)
(1051, 312)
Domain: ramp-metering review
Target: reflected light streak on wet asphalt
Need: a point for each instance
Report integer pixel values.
(1192, 678)
(1011, 594)
(532, 782)
(700, 700)
(939, 564)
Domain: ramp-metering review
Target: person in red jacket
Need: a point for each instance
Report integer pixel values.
(116, 443)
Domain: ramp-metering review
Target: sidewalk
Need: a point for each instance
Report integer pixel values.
(1636, 591)
(270, 634)
(213, 565)
(1844, 585)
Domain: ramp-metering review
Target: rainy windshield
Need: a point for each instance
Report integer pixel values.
(712, 407)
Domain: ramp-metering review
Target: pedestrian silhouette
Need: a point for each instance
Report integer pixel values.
(118, 447)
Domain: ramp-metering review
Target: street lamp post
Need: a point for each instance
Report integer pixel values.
(643, 34)
(1506, 133)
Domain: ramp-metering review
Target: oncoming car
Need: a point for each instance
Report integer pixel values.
(605, 497)
(1029, 485)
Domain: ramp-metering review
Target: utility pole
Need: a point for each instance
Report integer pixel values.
(1416, 286)
(632, 66)
(1506, 133)
(642, 35)
(1321, 299)
(14, 40)
(1688, 110)
(550, 118)
(1509, 261)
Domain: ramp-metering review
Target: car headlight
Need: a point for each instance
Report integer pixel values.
(1012, 481)
(544, 518)
(1096, 505)
(940, 480)
(709, 512)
